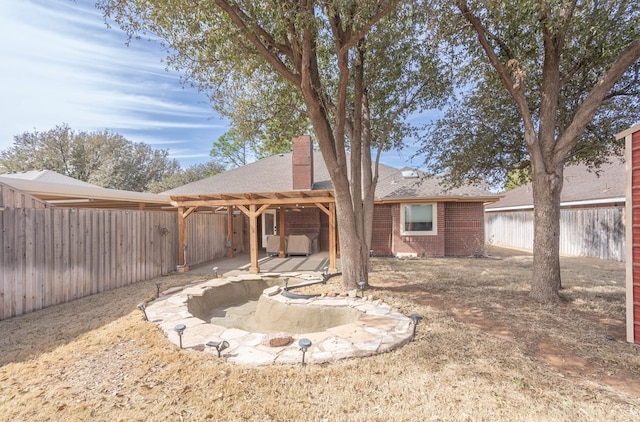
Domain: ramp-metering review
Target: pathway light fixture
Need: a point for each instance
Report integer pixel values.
(143, 306)
(362, 284)
(304, 344)
(180, 330)
(416, 319)
(218, 345)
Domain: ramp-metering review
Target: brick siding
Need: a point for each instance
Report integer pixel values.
(464, 228)
(382, 231)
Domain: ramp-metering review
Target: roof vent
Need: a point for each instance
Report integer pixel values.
(409, 174)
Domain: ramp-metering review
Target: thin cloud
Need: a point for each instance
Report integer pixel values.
(63, 65)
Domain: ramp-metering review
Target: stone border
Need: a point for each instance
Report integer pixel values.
(379, 329)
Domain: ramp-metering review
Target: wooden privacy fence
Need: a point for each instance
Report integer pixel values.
(596, 232)
(207, 235)
(54, 255)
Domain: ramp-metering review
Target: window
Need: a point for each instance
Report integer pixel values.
(418, 219)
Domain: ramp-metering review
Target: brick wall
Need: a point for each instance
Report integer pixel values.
(302, 221)
(382, 231)
(464, 228)
(431, 245)
(302, 165)
(460, 230)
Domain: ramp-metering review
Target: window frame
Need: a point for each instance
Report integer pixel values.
(434, 218)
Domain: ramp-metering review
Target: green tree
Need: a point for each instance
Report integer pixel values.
(358, 68)
(264, 113)
(182, 177)
(232, 150)
(568, 72)
(102, 158)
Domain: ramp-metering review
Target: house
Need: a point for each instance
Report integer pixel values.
(591, 215)
(291, 194)
(632, 194)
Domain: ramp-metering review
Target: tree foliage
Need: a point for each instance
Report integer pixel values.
(234, 149)
(102, 158)
(355, 69)
(552, 82)
(482, 135)
(183, 176)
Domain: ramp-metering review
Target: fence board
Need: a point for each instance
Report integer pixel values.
(30, 268)
(53, 255)
(595, 232)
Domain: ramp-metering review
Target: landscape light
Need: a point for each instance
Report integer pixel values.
(218, 345)
(362, 284)
(286, 283)
(304, 344)
(215, 271)
(158, 289)
(416, 319)
(180, 330)
(142, 306)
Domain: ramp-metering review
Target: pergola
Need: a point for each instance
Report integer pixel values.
(253, 205)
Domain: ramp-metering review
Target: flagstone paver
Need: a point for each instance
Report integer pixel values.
(378, 329)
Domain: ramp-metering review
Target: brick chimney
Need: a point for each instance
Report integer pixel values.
(302, 162)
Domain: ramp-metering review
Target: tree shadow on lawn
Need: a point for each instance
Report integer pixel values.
(30, 335)
(583, 336)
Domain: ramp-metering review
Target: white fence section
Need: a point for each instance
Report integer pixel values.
(595, 232)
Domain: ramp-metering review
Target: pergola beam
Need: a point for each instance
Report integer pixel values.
(253, 205)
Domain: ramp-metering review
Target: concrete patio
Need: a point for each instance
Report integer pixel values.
(268, 264)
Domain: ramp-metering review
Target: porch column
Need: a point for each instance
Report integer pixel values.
(253, 215)
(331, 213)
(182, 237)
(253, 239)
(230, 229)
(332, 238)
(281, 233)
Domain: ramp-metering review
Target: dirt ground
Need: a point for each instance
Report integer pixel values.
(484, 351)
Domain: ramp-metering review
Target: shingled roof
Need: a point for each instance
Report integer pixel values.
(582, 186)
(46, 176)
(64, 191)
(274, 174)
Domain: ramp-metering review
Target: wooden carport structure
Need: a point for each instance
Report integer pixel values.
(253, 205)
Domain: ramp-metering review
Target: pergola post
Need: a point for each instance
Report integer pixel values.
(281, 233)
(332, 238)
(253, 239)
(331, 213)
(253, 215)
(182, 237)
(230, 230)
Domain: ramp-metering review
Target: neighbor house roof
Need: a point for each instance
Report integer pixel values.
(47, 176)
(275, 174)
(581, 186)
(68, 192)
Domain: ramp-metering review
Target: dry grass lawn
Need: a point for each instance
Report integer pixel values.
(484, 351)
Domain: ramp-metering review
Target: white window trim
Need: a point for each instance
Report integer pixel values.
(432, 232)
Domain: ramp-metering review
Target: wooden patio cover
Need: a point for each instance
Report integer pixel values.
(253, 205)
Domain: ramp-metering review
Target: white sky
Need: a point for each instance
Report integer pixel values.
(59, 63)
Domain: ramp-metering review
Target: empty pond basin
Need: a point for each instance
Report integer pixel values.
(239, 311)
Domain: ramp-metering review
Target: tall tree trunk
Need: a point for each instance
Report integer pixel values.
(547, 186)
